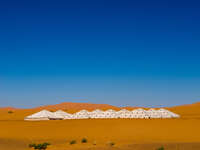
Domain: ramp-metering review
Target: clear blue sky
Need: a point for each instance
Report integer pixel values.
(140, 53)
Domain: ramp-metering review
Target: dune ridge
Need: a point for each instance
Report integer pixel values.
(92, 106)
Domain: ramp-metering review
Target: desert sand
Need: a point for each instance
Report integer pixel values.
(139, 134)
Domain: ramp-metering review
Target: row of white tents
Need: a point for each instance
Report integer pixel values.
(99, 114)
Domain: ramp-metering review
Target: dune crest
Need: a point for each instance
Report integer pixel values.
(188, 110)
(77, 106)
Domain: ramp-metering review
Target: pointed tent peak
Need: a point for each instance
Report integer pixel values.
(97, 110)
(42, 114)
(83, 110)
(61, 112)
(163, 109)
(123, 110)
(139, 109)
(152, 109)
(110, 110)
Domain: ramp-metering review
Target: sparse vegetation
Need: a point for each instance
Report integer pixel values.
(10, 112)
(84, 140)
(41, 146)
(111, 143)
(72, 142)
(94, 143)
(160, 148)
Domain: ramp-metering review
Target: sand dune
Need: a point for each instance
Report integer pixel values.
(189, 110)
(122, 132)
(186, 111)
(77, 106)
(127, 134)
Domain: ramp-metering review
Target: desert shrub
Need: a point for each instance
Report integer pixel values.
(72, 142)
(111, 143)
(84, 140)
(160, 148)
(41, 146)
(94, 143)
(10, 112)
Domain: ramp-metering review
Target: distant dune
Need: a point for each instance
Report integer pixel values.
(189, 110)
(77, 106)
(8, 108)
(127, 134)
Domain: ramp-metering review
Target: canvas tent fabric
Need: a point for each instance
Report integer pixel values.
(43, 115)
(99, 114)
(83, 114)
(63, 114)
(111, 114)
(140, 113)
(152, 113)
(168, 114)
(124, 113)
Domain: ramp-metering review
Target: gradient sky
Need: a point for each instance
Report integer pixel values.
(139, 53)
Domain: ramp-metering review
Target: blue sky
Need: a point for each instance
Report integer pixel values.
(140, 53)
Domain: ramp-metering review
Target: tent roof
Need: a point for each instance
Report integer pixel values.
(42, 114)
(110, 110)
(124, 110)
(139, 109)
(97, 110)
(61, 113)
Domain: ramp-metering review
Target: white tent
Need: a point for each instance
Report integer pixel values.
(43, 115)
(124, 113)
(83, 114)
(168, 114)
(139, 113)
(111, 114)
(63, 114)
(97, 114)
(152, 113)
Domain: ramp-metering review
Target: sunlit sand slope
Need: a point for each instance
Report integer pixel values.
(127, 134)
(188, 111)
(122, 132)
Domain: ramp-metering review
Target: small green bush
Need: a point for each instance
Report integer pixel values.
(42, 146)
(72, 142)
(84, 140)
(94, 143)
(160, 148)
(10, 112)
(111, 143)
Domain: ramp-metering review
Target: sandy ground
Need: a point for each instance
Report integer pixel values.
(127, 134)
(18, 134)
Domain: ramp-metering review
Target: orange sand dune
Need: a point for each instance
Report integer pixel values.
(8, 108)
(189, 110)
(127, 134)
(123, 132)
(77, 106)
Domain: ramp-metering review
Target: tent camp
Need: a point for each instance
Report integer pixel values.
(152, 113)
(111, 114)
(63, 114)
(83, 114)
(167, 114)
(124, 113)
(139, 113)
(43, 115)
(97, 114)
